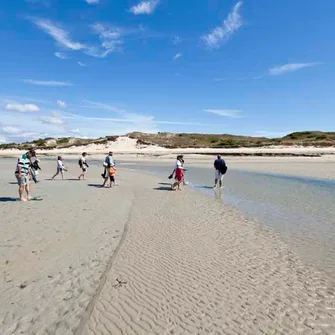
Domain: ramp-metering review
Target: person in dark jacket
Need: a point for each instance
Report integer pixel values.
(220, 170)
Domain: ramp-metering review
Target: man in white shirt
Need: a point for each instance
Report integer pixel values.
(83, 165)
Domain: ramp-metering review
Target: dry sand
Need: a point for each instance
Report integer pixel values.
(139, 259)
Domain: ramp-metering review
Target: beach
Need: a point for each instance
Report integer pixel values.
(140, 259)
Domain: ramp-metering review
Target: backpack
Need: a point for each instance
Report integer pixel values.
(224, 169)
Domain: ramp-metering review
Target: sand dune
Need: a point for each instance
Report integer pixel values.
(139, 259)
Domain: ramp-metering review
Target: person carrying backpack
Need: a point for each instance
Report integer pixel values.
(220, 170)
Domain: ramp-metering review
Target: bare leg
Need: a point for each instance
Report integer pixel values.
(28, 191)
(21, 191)
(215, 183)
(55, 175)
(62, 175)
(104, 184)
(174, 185)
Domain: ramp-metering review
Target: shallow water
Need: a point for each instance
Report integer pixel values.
(300, 209)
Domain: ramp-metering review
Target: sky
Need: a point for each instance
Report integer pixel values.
(91, 68)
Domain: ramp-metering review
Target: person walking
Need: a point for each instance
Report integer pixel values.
(83, 165)
(109, 162)
(23, 174)
(179, 173)
(60, 168)
(220, 170)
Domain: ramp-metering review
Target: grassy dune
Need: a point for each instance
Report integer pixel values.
(183, 140)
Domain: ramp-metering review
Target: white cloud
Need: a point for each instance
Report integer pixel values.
(54, 119)
(178, 55)
(232, 113)
(230, 25)
(272, 134)
(75, 131)
(24, 108)
(47, 83)
(58, 34)
(110, 38)
(290, 67)
(3, 140)
(61, 103)
(81, 64)
(92, 2)
(144, 7)
(10, 130)
(61, 55)
(176, 40)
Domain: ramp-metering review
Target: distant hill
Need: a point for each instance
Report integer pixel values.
(184, 140)
(170, 140)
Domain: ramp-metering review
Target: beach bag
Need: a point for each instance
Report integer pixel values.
(170, 176)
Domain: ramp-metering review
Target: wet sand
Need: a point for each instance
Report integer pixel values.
(140, 259)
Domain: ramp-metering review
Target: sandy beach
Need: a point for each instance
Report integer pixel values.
(139, 259)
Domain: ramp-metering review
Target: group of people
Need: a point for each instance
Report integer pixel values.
(28, 166)
(220, 168)
(108, 173)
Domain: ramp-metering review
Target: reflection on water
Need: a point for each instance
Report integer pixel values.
(301, 209)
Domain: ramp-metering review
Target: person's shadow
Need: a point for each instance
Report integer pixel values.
(8, 199)
(95, 185)
(163, 188)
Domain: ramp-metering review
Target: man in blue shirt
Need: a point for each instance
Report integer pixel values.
(220, 170)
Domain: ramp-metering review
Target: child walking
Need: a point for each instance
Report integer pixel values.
(60, 168)
(112, 173)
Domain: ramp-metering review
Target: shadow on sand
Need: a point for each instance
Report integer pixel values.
(95, 185)
(8, 199)
(12, 183)
(164, 184)
(163, 188)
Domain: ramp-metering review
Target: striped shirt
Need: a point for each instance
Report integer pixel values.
(24, 162)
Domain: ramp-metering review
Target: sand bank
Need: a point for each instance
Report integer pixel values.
(185, 264)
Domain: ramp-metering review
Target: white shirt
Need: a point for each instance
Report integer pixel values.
(59, 164)
(178, 165)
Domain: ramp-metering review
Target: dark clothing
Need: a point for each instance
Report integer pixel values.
(219, 164)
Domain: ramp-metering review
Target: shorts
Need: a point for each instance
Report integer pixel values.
(112, 179)
(59, 170)
(218, 175)
(23, 180)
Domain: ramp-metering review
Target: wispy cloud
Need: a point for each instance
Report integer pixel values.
(231, 113)
(54, 119)
(110, 38)
(23, 108)
(272, 134)
(144, 7)
(290, 67)
(47, 83)
(81, 64)
(61, 103)
(92, 2)
(10, 130)
(61, 36)
(61, 55)
(45, 3)
(230, 25)
(177, 55)
(177, 40)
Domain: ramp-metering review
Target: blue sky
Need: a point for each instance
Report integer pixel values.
(92, 68)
